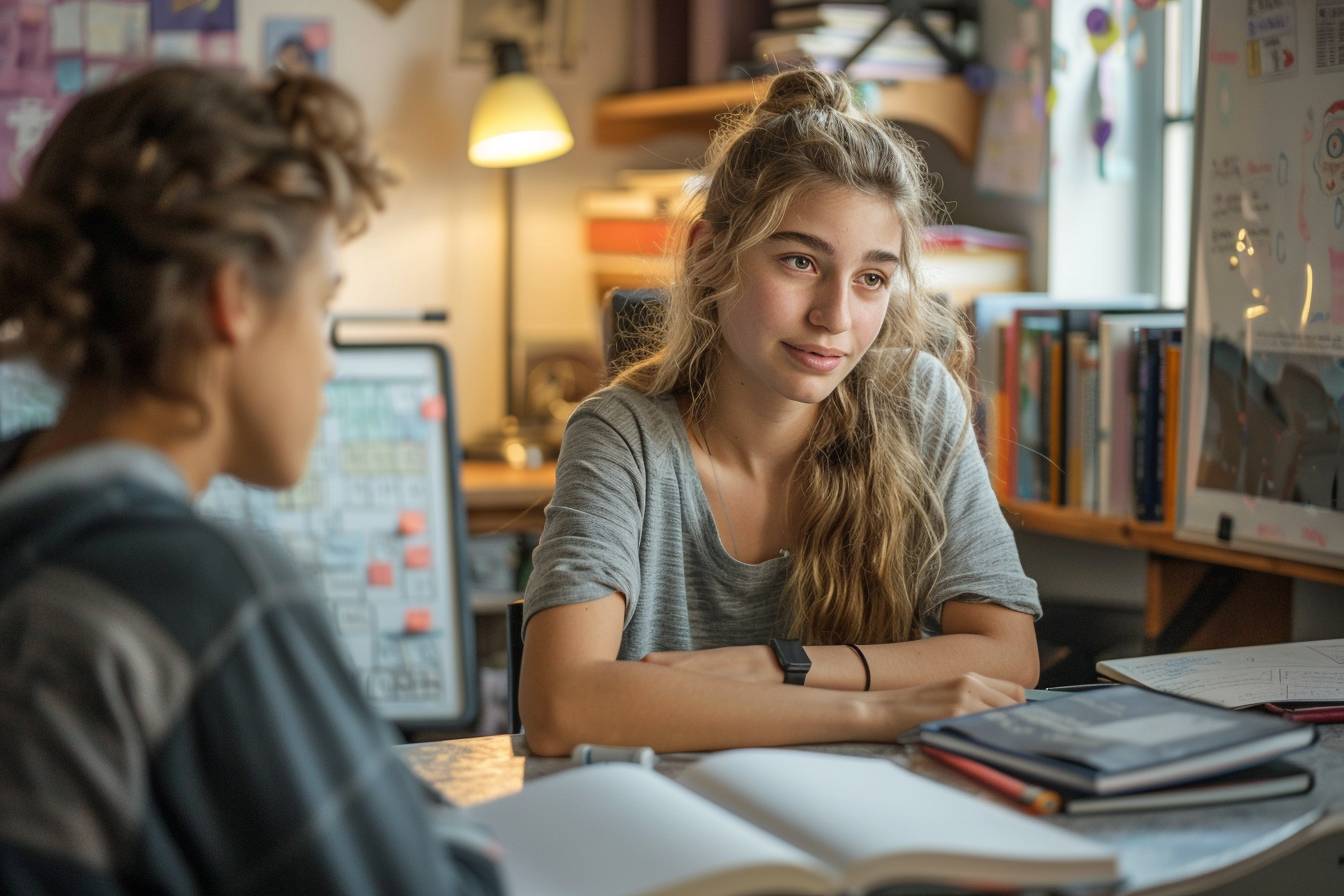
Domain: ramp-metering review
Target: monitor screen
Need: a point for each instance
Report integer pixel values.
(376, 521)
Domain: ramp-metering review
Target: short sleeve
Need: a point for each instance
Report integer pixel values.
(980, 563)
(590, 543)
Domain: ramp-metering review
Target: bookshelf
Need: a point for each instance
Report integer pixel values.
(1198, 596)
(1127, 532)
(944, 105)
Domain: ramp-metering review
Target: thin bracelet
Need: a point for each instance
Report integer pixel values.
(867, 673)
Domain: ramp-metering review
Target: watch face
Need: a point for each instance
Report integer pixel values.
(791, 655)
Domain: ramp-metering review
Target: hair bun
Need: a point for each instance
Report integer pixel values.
(42, 261)
(805, 90)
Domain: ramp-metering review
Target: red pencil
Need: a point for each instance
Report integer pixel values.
(1328, 713)
(1036, 800)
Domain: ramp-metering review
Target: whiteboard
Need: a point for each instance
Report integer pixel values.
(1262, 447)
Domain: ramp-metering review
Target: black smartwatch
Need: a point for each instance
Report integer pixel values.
(792, 659)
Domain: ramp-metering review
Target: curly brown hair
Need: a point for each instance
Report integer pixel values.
(146, 188)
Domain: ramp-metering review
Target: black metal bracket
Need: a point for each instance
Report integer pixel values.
(914, 11)
(1209, 595)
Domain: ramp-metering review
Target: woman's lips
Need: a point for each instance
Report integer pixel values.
(813, 360)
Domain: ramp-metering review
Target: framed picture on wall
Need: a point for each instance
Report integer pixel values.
(297, 46)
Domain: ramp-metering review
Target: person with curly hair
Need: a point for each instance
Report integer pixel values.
(175, 713)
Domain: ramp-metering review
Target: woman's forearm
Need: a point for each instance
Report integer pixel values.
(919, 662)
(672, 710)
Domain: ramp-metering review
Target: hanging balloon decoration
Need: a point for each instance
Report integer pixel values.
(1107, 37)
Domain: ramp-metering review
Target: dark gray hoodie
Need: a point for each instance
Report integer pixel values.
(175, 715)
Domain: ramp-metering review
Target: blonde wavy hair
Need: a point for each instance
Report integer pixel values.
(870, 520)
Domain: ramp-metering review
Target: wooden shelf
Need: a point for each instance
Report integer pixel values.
(944, 105)
(1155, 538)
(500, 498)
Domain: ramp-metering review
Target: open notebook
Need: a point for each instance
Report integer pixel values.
(1237, 677)
(772, 821)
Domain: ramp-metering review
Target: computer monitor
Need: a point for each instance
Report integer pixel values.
(377, 521)
(27, 398)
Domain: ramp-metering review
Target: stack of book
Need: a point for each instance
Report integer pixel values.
(963, 262)
(1079, 401)
(1122, 748)
(629, 228)
(826, 35)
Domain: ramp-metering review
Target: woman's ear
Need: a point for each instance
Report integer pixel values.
(230, 304)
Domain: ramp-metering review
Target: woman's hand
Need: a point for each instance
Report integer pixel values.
(890, 713)
(755, 662)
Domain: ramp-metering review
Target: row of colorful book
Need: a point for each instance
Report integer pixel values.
(628, 229)
(1078, 401)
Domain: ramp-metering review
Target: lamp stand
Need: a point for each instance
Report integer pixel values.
(510, 400)
(510, 443)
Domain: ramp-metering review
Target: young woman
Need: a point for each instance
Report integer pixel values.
(788, 491)
(175, 714)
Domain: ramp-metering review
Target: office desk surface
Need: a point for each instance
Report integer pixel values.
(1265, 846)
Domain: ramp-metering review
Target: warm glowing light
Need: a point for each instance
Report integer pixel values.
(1250, 250)
(1255, 292)
(1241, 234)
(517, 122)
(1233, 261)
(1256, 311)
(1241, 247)
(1306, 300)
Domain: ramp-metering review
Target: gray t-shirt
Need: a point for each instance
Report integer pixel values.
(629, 515)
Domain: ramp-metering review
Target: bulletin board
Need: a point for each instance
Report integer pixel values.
(51, 51)
(1262, 451)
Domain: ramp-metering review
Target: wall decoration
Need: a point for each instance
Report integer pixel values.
(297, 45)
(64, 47)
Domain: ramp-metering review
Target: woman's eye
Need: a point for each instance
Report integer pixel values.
(874, 281)
(798, 262)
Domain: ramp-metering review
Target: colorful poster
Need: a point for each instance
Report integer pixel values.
(1271, 39)
(193, 15)
(53, 50)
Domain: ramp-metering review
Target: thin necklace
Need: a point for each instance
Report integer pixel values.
(718, 489)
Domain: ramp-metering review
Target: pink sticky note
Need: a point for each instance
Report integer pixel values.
(433, 408)
(410, 522)
(417, 556)
(417, 621)
(380, 574)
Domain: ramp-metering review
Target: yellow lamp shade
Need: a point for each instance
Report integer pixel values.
(517, 122)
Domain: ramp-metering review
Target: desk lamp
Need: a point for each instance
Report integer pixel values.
(516, 122)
